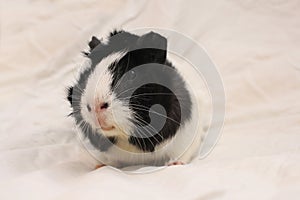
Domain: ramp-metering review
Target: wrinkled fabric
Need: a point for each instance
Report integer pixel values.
(255, 46)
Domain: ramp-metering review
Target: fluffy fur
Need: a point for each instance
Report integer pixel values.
(109, 77)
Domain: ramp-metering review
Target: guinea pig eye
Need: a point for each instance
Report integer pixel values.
(88, 108)
(132, 74)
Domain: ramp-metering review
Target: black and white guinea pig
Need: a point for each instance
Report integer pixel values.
(132, 105)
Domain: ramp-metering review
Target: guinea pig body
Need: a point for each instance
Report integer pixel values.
(132, 104)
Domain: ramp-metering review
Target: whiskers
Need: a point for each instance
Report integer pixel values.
(146, 109)
(147, 135)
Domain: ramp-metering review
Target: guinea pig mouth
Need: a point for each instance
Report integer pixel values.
(104, 126)
(107, 128)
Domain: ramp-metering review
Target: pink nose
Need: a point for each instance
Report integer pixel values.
(101, 116)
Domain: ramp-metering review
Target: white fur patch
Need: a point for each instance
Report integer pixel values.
(99, 87)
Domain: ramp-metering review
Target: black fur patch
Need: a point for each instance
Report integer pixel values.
(148, 95)
(112, 139)
(115, 32)
(69, 95)
(94, 42)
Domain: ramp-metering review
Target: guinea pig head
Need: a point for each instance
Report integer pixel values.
(117, 96)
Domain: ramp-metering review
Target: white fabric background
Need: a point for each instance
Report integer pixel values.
(256, 46)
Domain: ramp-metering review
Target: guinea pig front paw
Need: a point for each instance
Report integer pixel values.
(175, 163)
(99, 166)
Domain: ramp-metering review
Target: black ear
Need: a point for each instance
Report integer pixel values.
(153, 48)
(69, 95)
(94, 42)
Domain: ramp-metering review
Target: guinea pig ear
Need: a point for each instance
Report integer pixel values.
(94, 42)
(153, 48)
(69, 95)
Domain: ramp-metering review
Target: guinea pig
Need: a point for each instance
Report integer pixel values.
(132, 104)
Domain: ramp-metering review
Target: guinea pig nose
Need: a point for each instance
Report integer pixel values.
(104, 105)
(101, 106)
